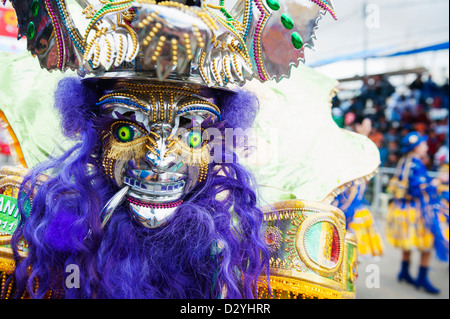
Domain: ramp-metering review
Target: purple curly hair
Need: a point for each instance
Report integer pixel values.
(209, 246)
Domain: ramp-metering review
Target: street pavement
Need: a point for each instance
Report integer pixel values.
(377, 277)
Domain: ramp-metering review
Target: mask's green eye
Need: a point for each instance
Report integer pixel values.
(195, 139)
(125, 133)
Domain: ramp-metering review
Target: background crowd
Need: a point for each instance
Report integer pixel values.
(420, 106)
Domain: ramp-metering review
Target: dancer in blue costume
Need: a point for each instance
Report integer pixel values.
(413, 220)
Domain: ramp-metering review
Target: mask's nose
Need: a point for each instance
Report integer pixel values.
(156, 155)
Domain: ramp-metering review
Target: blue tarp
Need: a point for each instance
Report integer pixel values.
(436, 47)
(379, 53)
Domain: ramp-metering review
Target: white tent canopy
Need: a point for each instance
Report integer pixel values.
(373, 28)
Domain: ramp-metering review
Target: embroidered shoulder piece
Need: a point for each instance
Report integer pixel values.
(311, 253)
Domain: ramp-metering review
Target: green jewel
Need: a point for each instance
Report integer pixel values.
(35, 7)
(287, 21)
(297, 40)
(31, 31)
(273, 4)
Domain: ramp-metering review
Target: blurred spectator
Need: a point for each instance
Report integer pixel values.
(429, 90)
(407, 116)
(422, 116)
(349, 120)
(392, 135)
(355, 105)
(338, 116)
(393, 147)
(434, 143)
(441, 156)
(417, 84)
(364, 128)
(445, 95)
(404, 131)
(393, 155)
(391, 160)
(378, 138)
(396, 112)
(442, 127)
(421, 128)
(383, 89)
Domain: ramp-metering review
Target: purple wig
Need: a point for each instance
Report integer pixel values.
(212, 247)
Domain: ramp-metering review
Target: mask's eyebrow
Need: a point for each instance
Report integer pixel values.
(199, 106)
(126, 113)
(122, 98)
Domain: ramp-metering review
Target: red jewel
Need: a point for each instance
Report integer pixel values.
(270, 238)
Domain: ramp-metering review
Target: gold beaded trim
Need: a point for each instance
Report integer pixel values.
(7, 266)
(152, 90)
(5, 239)
(199, 102)
(274, 211)
(125, 95)
(203, 172)
(200, 13)
(130, 32)
(108, 164)
(103, 12)
(68, 20)
(289, 288)
(202, 68)
(59, 47)
(11, 181)
(97, 35)
(150, 87)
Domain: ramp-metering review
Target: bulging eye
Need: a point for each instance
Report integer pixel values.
(126, 132)
(195, 139)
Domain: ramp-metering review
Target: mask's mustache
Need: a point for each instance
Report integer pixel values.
(131, 150)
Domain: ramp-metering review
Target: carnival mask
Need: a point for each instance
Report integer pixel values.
(156, 147)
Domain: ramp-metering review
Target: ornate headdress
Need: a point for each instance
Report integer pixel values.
(208, 42)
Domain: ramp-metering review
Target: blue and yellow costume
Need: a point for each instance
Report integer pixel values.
(443, 191)
(443, 188)
(416, 216)
(359, 220)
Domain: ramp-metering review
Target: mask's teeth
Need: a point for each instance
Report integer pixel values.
(154, 188)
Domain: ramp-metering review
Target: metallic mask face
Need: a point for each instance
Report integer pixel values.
(155, 144)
